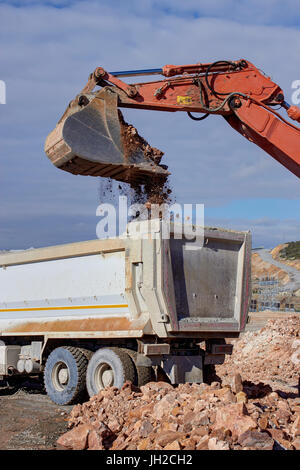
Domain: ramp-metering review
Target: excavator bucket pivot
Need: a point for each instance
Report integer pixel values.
(95, 140)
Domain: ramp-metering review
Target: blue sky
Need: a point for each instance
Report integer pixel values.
(48, 48)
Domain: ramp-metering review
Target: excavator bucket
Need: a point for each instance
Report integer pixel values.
(92, 138)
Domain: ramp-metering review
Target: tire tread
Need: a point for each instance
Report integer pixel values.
(81, 361)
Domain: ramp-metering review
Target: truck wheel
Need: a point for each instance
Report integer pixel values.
(86, 352)
(64, 375)
(144, 374)
(108, 367)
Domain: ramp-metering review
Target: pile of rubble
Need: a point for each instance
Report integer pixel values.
(271, 355)
(189, 417)
(246, 410)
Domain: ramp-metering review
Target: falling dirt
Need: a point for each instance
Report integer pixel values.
(133, 142)
(154, 190)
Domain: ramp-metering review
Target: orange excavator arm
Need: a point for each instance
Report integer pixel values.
(89, 138)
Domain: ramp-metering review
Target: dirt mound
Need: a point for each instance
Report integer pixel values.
(245, 412)
(190, 417)
(271, 355)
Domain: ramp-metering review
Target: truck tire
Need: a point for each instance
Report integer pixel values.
(86, 352)
(143, 374)
(109, 367)
(64, 375)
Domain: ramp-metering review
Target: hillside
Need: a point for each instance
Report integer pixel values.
(288, 253)
(262, 269)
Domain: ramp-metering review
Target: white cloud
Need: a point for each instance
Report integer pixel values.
(47, 54)
(266, 232)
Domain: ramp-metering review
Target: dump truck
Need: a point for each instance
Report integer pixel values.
(141, 306)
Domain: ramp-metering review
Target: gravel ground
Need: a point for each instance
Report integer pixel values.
(28, 419)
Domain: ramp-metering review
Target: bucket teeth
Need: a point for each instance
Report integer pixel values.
(95, 140)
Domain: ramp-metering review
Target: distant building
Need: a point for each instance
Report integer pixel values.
(268, 294)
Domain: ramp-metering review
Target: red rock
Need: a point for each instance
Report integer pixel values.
(173, 425)
(95, 442)
(187, 444)
(200, 419)
(226, 396)
(257, 440)
(221, 434)
(282, 416)
(273, 397)
(141, 411)
(234, 417)
(176, 411)
(156, 387)
(171, 398)
(283, 405)
(76, 439)
(173, 446)
(215, 385)
(241, 397)
(128, 386)
(120, 443)
(188, 417)
(76, 411)
(280, 437)
(296, 443)
(162, 408)
(214, 444)
(236, 383)
(263, 421)
(296, 426)
(203, 443)
(199, 432)
(114, 425)
(167, 437)
(199, 405)
(146, 428)
(144, 444)
(265, 355)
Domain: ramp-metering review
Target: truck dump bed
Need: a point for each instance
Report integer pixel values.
(136, 285)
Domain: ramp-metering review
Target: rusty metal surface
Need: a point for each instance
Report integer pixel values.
(86, 324)
(89, 327)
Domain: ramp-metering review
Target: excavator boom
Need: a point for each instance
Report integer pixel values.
(92, 137)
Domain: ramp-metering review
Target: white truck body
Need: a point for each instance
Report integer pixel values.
(144, 288)
(109, 287)
(48, 294)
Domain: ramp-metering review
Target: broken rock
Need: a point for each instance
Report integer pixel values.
(76, 439)
(214, 444)
(256, 440)
(234, 417)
